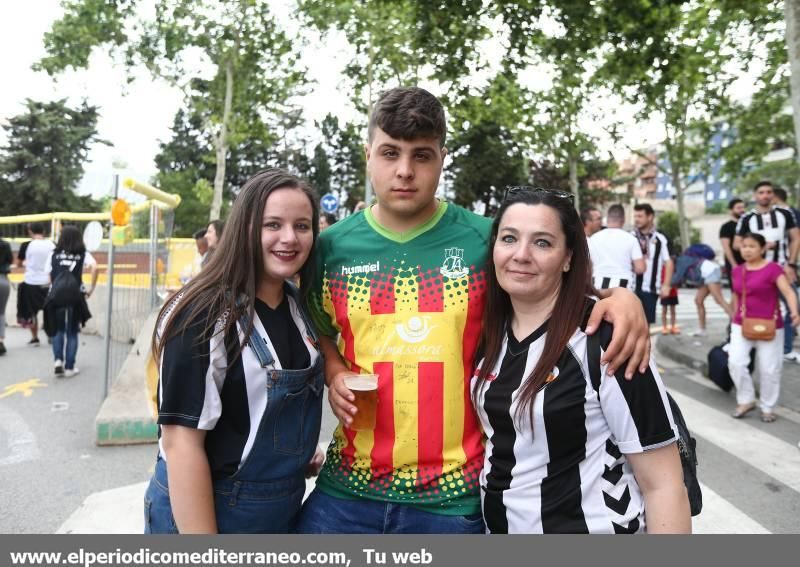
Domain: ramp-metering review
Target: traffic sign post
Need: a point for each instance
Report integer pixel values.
(329, 203)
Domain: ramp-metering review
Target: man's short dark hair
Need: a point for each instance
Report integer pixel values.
(616, 213)
(36, 228)
(763, 184)
(408, 113)
(586, 214)
(648, 210)
(780, 193)
(733, 202)
(199, 234)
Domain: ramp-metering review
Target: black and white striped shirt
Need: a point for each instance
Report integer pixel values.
(202, 386)
(656, 254)
(568, 474)
(774, 226)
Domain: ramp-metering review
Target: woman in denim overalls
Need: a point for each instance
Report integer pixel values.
(239, 419)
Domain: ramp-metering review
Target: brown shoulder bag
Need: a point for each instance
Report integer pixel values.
(753, 328)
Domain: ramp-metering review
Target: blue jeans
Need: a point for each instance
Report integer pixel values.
(325, 514)
(71, 340)
(788, 329)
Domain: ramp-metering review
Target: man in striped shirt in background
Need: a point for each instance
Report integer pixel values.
(778, 226)
(616, 254)
(649, 285)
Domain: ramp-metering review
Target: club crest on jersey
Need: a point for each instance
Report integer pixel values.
(552, 376)
(453, 266)
(415, 330)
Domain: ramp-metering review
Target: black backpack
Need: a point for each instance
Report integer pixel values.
(686, 443)
(65, 290)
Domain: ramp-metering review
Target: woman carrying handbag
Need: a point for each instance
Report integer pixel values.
(757, 323)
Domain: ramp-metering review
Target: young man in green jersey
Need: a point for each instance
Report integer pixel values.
(402, 286)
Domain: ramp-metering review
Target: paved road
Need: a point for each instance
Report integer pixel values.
(55, 479)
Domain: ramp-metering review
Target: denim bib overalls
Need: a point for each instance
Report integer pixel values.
(265, 494)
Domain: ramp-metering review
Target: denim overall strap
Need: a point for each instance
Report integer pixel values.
(292, 290)
(257, 343)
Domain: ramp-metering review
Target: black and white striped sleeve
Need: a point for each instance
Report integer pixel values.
(743, 226)
(637, 410)
(188, 393)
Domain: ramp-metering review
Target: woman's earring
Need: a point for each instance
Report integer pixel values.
(566, 268)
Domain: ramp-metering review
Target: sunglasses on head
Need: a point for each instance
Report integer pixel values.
(516, 189)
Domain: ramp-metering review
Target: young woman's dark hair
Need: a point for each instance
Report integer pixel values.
(226, 287)
(71, 240)
(757, 237)
(568, 311)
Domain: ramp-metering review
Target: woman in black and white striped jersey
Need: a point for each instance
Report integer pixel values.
(569, 450)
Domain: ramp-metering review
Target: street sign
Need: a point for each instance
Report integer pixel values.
(329, 203)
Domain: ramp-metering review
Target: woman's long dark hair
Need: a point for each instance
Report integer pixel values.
(71, 240)
(568, 311)
(237, 266)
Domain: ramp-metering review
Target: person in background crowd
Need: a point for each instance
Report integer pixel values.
(777, 226)
(616, 255)
(23, 248)
(360, 206)
(201, 244)
(6, 261)
(592, 221)
(63, 321)
(655, 281)
(240, 374)
(670, 302)
(402, 286)
(727, 232)
(780, 201)
(554, 434)
(32, 292)
(326, 220)
(789, 334)
(711, 275)
(212, 236)
(761, 282)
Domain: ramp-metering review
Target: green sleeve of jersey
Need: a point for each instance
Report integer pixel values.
(316, 307)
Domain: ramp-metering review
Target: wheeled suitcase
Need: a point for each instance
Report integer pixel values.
(718, 367)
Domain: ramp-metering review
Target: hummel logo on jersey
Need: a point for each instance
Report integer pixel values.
(362, 269)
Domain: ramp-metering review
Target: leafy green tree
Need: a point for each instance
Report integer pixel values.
(320, 175)
(783, 173)
(404, 41)
(486, 159)
(42, 161)
(762, 124)
(254, 65)
(669, 225)
(677, 61)
(343, 147)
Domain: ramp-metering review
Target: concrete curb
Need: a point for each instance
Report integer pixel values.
(673, 347)
(126, 415)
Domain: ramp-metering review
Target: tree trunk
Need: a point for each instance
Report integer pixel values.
(221, 141)
(573, 180)
(791, 10)
(682, 221)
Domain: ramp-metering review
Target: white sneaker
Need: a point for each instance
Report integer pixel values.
(59, 368)
(792, 356)
(70, 372)
(698, 333)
